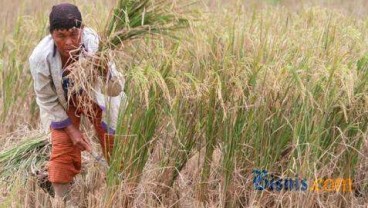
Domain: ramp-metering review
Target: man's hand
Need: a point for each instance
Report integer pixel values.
(78, 139)
(101, 63)
(113, 88)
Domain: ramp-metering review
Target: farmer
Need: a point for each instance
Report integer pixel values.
(67, 42)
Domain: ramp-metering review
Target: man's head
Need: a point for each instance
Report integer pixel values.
(66, 28)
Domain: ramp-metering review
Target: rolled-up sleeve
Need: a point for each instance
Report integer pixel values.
(52, 112)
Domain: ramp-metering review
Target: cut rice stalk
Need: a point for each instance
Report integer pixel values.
(30, 153)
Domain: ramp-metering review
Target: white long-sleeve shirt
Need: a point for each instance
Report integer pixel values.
(46, 70)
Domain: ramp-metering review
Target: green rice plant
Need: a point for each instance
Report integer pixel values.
(138, 124)
(186, 118)
(212, 128)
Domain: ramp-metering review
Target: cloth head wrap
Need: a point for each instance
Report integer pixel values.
(65, 16)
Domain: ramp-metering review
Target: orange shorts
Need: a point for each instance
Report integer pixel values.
(65, 160)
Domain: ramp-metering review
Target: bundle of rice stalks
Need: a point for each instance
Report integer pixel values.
(29, 153)
(133, 19)
(130, 20)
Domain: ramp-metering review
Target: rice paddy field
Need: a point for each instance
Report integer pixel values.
(274, 85)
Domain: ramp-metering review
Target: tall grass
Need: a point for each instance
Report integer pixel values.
(266, 87)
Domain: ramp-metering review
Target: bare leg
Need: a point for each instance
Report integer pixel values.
(61, 189)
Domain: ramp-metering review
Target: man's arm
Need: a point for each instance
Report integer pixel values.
(46, 96)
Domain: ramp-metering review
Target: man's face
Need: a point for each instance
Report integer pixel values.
(67, 41)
